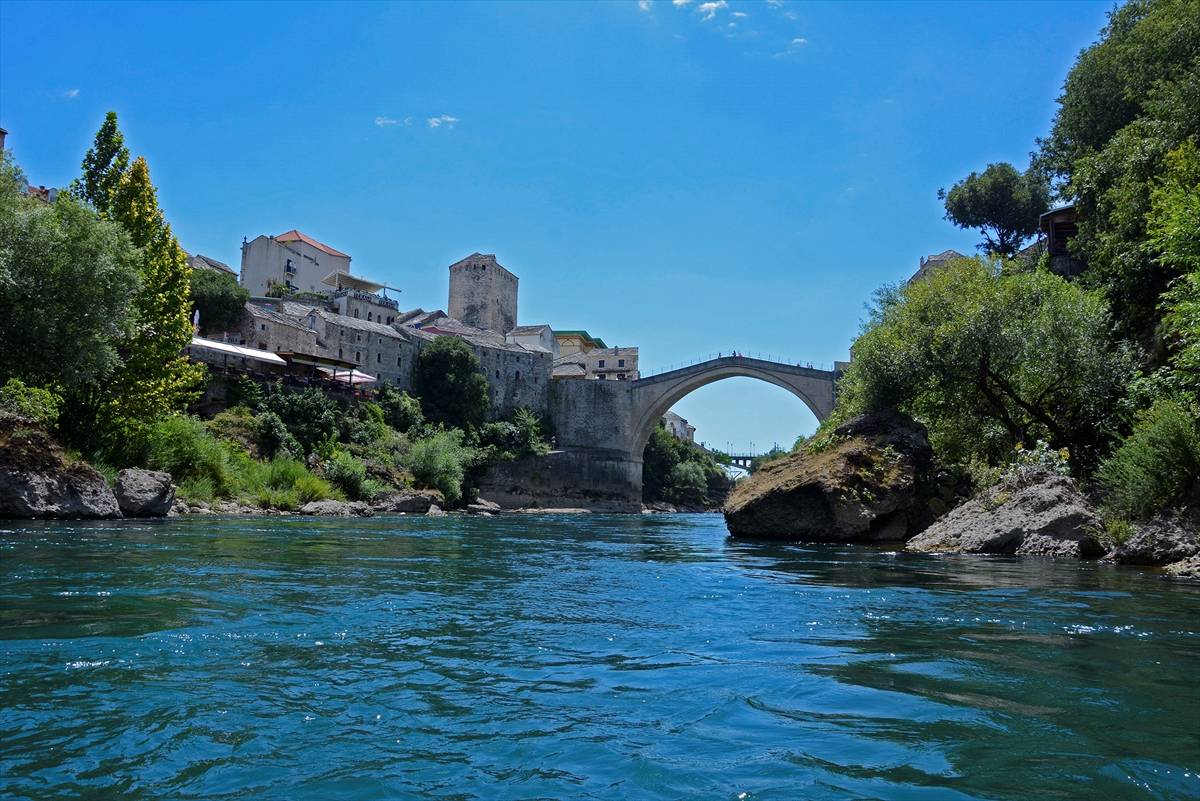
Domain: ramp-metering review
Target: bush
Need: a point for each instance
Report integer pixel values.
(238, 426)
(308, 415)
(350, 475)
(311, 488)
(274, 437)
(1156, 465)
(40, 405)
(448, 381)
(689, 480)
(243, 391)
(401, 412)
(441, 462)
(182, 446)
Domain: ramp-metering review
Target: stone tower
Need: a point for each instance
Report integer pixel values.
(483, 294)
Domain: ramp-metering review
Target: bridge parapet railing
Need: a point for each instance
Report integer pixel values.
(765, 357)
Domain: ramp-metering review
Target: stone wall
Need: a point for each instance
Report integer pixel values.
(516, 378)
(600, 480)
(592, 414)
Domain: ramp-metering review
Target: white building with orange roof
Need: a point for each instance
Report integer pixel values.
(293, 259)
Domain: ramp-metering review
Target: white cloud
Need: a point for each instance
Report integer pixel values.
(774, 3)
(798, 42)
(382, 121)
(680, 3)
(435, 122)
(709, 10)
(71, 94)
(738, 14)
(644, 5)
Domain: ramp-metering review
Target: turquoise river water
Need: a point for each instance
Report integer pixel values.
(603, 657)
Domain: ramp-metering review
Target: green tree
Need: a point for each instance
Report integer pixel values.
(1131, 98)
(219, 298)
(156, 377)
(400, 411)
(310, 416)
(65, 282)
(1002, 203)
(103, 166)
(450, 385)
(990, 361)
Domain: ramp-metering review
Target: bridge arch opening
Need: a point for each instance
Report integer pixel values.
(740, 415)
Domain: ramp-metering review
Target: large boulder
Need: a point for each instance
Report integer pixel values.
(38, 480)
(1157, 542)
(1038, 513)
(861, 489)
(405, 502)
(144, 493)
(336, 509)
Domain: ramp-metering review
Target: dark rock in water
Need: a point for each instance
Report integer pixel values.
(144, 493)
(862, 489)
(37, 480)
(336, 509)
(435, 511)
(1038, 514)
(405, 502)
(659, 508)
(1160, 541)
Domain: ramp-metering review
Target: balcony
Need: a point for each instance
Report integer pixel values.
(366, 297)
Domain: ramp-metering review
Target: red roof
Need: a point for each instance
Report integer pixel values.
(294, 235)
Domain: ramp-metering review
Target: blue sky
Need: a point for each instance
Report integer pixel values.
(684, 177)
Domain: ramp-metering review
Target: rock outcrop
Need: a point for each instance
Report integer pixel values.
(405, 502)
(861, 489)
(37, 479)
(483, 507)
(1185, 568)
(144, 493)
(1157, 542)
(1038, 514)
(336, 509)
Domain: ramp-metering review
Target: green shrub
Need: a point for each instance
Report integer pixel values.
(182, 446)
(1155, 465)
(689, 480)
(284, 472)
(194, 490)
(274, 437)
(236, 425)
(39, 405)
(440, 461)
(311, 488)
(243, 391)
(401, 412)
(1116, 531)
(308, 415)
(350, 475)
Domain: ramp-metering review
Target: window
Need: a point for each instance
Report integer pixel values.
(358, 337)
(357, 356)
(620, 376)
(356, 312)
(369, 317)
(497, 374)
(339, 353)
(398, 361)
(620, 362)
(602, 362)
(518, 374)
(602, 376)
(379, 358)
(262, 326)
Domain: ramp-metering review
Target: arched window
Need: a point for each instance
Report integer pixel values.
(356, 312)
(518, 374)
(369, 317)
(357, 356)
(339, 353)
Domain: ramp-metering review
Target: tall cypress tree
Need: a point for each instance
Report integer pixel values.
(103, 167)
(156, 377)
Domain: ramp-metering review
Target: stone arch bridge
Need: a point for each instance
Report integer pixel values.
(602, 427)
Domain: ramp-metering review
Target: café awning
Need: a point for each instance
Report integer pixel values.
(342, 280)
(238, 350)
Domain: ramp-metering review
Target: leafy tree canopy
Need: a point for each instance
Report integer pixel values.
(990, 361)
(103, 166)
(65, 283)
(219, 298)
(1002, 203)
(450, 385)
(1131, 98)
